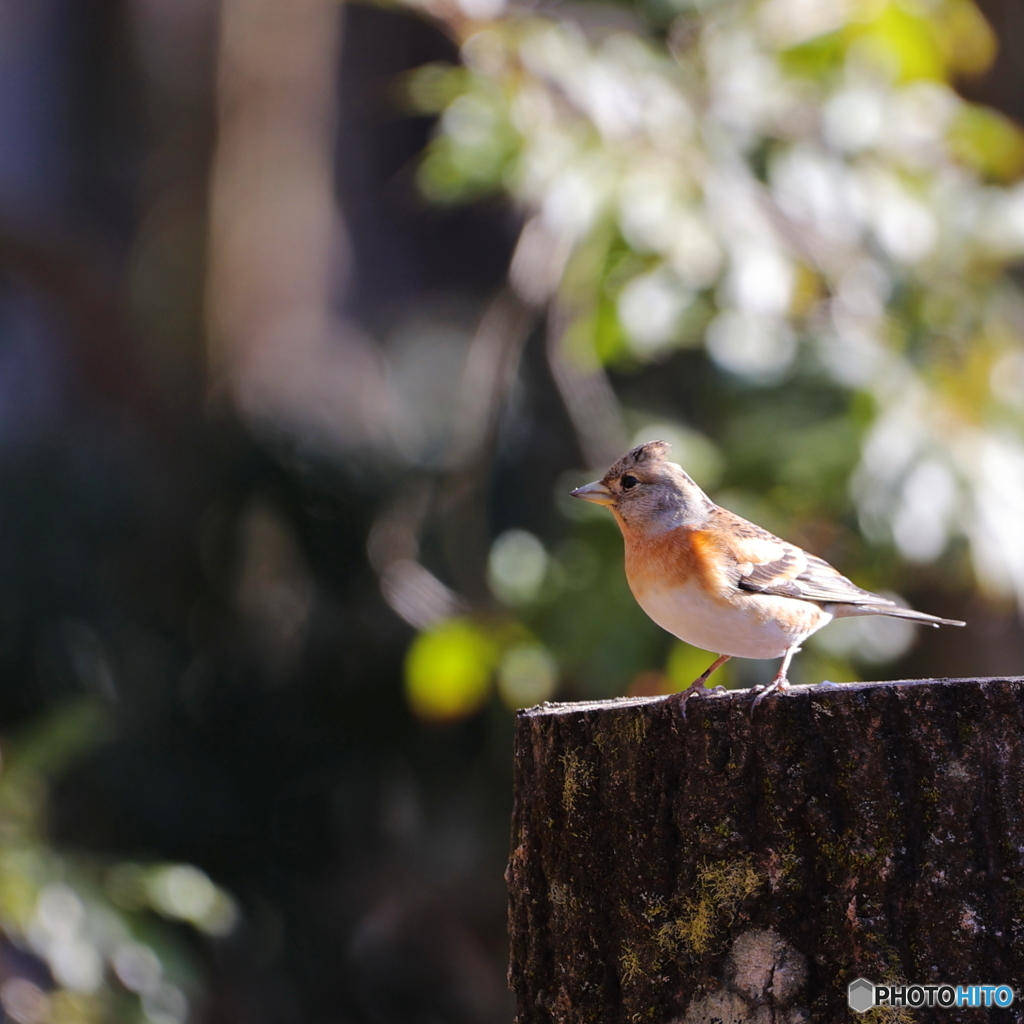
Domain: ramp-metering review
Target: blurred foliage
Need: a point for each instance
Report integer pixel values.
(796, 190)
(83, 939)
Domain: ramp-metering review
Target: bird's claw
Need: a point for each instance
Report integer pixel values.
(687, 694)
(775, 686)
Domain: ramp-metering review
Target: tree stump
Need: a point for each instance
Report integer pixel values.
(734, 867)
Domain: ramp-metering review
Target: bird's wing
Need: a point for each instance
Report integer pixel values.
(766, 564)
(815, 581)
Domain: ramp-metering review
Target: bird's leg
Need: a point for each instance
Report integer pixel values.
(780, 682)
(700, 681)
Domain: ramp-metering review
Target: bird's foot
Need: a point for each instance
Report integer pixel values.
(697, 686)
(777, 685)
(700, 683)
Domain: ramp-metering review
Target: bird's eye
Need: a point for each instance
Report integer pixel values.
(629, 482)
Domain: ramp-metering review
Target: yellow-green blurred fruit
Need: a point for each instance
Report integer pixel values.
(448, 671)
(900, 39)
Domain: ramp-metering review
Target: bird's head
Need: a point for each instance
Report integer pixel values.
(647, 493)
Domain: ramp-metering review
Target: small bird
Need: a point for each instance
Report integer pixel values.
(717, 581)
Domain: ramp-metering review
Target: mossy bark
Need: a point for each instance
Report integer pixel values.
(734, 867)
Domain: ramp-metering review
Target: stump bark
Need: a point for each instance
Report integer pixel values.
(734, 867)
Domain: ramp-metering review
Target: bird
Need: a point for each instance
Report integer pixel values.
(717, 581)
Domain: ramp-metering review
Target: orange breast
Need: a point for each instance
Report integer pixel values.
(673, 559)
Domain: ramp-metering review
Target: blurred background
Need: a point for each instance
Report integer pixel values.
(311, 316)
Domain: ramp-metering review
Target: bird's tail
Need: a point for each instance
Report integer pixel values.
(898, 612)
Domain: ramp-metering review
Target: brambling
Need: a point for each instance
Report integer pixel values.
(717, 581)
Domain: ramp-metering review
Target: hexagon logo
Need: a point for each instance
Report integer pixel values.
(861, 995)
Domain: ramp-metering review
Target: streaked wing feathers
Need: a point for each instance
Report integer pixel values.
(817, 582)
(768, 565)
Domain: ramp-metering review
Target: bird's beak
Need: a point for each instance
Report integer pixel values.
(595, 492)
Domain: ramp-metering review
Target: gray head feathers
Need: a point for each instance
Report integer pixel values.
(652, 494)
(642, 455)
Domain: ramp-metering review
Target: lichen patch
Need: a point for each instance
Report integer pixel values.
(720, 889)
(763, 976)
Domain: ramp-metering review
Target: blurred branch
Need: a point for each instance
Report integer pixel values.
(537, 267)
(490, 371)
(491, 365)
(586, 391)
(409, 588)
